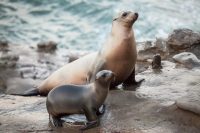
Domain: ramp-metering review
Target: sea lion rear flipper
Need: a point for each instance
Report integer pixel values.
(31, 92)
(90, 124)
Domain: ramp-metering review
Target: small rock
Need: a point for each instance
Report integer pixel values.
(8, 60)
(187, 59)
(9, 57)
(156, 63)
(182, 39)
(3, 45)
(47, 46)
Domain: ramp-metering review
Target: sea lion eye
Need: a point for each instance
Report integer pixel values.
(104, 75)
(124, 14)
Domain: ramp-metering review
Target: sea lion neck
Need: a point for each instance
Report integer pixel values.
(101, 91)
(102, 84)
(119, 29)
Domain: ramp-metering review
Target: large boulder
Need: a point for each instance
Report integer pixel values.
(181, 40)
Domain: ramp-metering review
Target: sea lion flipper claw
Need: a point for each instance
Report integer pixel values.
(90, 124)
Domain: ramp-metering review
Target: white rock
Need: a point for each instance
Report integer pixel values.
(187, 58)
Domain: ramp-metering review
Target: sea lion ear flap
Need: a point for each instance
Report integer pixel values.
(116, 16)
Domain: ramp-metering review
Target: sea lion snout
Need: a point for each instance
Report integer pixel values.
(136, 14)
(126, 17)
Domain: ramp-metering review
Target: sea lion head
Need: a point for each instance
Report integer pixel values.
(127, 18)
(105, 76)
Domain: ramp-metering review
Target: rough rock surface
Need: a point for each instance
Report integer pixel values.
(191, 101)
(8, 59)
(183, 38)
(137, 115)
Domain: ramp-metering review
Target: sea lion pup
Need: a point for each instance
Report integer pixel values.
(78, 99)
(118, 54)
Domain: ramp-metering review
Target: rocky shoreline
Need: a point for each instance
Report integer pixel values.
(167, 101)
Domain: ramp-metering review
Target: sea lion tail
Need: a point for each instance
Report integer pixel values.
(30, 92)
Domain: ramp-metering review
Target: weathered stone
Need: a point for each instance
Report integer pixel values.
(181, 39)
(47, 46)
(188, 59)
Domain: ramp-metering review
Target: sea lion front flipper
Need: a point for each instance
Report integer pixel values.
(55, 121)
(91, 117)
(131, 80)
(101, 110)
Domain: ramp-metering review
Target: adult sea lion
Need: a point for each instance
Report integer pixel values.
(79, 99)
(118, 54)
